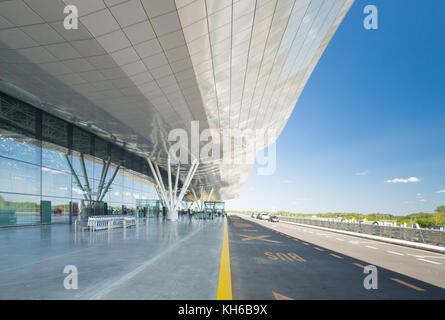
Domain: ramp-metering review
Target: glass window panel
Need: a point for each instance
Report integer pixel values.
(115, 194)
(14, 143)
(56, 183)
(115, 208)
(118, 180)
(127, 180)
(55, 130)
(81, 141)
(18, 113)
(77, 192)
(100, 149)
(115, 154)
(100, 153)
(20, 177)
(128, 160)
(18, 209)
(89, 164)
(60, 209)
(54, 156)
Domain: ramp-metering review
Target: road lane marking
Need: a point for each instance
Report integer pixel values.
(339, 239)
(407, 284)
(278, 296)
(249, 230)
(334, 255)
(429, 261)
(393, 252)
(290, 256)
(262, 238)
(371, 247)
(319, 249)
(358, 265)
(306, 244)
(225, 281)
(242, 225)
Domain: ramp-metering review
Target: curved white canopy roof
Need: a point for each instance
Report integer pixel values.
(136, 69)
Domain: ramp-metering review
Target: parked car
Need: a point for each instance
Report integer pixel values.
(274, 219)
(438, 228)
(253, 215)
(258, 216)
(264, 216)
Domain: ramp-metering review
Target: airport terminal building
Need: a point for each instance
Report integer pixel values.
(44, 159)
(91, 89)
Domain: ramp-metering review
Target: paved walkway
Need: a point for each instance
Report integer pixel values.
(157, 260)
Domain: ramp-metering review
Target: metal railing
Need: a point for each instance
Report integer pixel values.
(104, 222)
(433, 237)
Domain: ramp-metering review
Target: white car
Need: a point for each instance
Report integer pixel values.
(264, 217)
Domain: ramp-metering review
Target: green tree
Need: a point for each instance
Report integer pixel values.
(440, 209)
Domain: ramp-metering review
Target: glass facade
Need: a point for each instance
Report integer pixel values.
(46, 162)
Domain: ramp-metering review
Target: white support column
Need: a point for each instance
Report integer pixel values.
(210, 194)
(170, 199)
(187, 181)
(175, 195)
(169, 170)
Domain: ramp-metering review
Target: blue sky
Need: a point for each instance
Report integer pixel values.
(373, 110)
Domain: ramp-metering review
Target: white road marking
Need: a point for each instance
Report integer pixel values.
(429, 261)
(397, 253)
(371, 247)
(353, 242)
(339, 239)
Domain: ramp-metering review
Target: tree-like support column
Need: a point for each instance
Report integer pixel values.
(170, 197)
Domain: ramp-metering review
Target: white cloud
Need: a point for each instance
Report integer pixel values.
(362, 173)
(440, 191)
(398, 180)
(422, 200)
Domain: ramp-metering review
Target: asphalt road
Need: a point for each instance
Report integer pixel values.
(271, 264)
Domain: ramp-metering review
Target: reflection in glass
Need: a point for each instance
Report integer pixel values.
(53, 156)
(16, 209)
(77, 165)
(56, 183)
(60, 209)
(16, 145)
(20, 177)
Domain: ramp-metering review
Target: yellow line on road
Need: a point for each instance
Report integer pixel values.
(305, 243)
(358, 265)
(334, 255)
(407, 284)
(225, 280)
(319, 249)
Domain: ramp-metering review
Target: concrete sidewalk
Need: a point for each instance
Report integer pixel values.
(157, 260)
